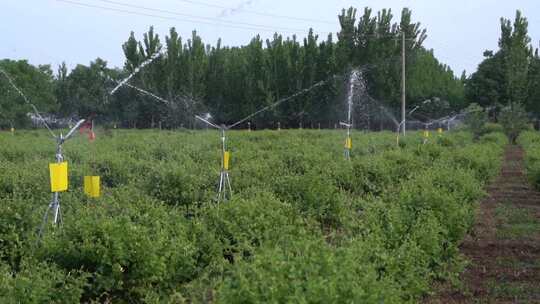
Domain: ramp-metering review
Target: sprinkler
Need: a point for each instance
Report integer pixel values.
(355, 77)
(59, 179)
(224, 188)
(59, 170)
(425, 136)
(348, 140)
(224, 179)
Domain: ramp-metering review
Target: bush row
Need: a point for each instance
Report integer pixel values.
(304, 225)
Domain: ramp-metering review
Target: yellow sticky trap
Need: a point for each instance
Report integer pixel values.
(439, 130)
(226, 157)
(59, 176)
(92, 186)
(348, 143)
(426, 134)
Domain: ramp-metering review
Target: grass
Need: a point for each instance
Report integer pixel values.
(517, 264)
(514, 290)
(516, 223)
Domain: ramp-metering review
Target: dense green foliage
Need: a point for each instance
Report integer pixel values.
(514, 120)
(511, 74)
(232, 82)
(476, 119)
(530, 141)
(304, 225)
(37, 83)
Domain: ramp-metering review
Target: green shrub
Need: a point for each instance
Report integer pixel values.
(242, 225)
(495, 137)
(303, 225)
(491, 127)
(530, 141)
(514, 120)
(127, 251)
(311, 272)
(476, 119)
(38, 282)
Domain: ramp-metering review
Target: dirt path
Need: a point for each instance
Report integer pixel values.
(504, 246)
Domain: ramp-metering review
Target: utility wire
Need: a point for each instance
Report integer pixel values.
(245, 26)
(191, 16)
(257, 13)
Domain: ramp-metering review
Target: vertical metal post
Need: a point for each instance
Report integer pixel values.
(403, 118)
(54, 205)
(347, 150)
(56, 195)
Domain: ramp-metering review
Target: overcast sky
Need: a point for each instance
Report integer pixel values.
(52, 31)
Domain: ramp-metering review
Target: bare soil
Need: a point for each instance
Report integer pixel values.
(504, 246)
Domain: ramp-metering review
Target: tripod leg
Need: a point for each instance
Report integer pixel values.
(44, 221)
(56, 207)
(56, 211)
(58, 215)
(220, 189)
(229, 184)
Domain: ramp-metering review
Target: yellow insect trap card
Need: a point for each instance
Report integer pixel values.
(92, 186)
(426, 134)
(59, 176)
(440, 131)
(348, 143)
(226, 158)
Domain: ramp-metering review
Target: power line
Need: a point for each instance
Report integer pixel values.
(192, 16)
(257, 13)
(246, 26)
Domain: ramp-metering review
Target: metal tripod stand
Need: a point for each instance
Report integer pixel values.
(54, 205)
(224, 181)
(348, 144)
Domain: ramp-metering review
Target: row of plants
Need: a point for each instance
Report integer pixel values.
(304, 225)
(530, 141)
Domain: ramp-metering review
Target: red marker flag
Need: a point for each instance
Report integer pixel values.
(88, 128)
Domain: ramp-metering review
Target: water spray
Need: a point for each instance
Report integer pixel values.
(34, 108)
(225, 188)
(135, 71)
(145, 92)
(401, 125)
(59, 170)
(355, 77)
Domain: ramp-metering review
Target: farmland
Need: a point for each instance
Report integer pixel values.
(303, 223)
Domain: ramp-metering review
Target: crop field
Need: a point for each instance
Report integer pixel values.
(303, 224)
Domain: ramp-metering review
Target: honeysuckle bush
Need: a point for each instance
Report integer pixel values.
(530, 141)
(303, 225)
(40, 282)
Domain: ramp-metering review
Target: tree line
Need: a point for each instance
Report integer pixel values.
(509, 76)
(232, 82)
